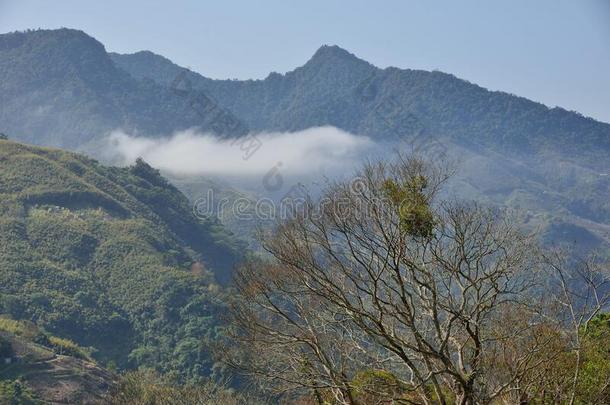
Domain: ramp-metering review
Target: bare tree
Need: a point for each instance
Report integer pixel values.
(378, 274)
(296, 340)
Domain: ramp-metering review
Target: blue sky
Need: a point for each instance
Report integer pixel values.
(553, 51)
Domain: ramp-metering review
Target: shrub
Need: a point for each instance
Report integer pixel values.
(6, 348)
(69, 348)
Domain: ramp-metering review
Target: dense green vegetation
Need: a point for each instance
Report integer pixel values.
(110, 258)
(13, 392)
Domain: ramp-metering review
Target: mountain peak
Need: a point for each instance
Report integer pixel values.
(145, 55)
(334, 53)
(52, 54)
(52, 41)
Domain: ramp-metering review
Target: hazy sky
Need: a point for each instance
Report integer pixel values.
(553, 51)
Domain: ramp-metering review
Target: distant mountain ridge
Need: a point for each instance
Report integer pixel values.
(336, 88)
(60, 88)
(547, 162)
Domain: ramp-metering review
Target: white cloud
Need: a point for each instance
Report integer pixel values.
(304, 152)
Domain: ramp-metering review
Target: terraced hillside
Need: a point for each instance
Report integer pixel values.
(40, 368)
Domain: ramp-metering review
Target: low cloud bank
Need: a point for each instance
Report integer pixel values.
(314, 150)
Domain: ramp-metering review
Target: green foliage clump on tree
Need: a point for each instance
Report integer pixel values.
(377, 385)
(415, 215)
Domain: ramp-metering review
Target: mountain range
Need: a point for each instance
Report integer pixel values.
(62, 88)
(550, 164)
(336, 88)
(105, 266)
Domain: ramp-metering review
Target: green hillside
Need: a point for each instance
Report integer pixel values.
(111, 258)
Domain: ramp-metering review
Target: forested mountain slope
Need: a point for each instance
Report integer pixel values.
(60, 88)
(111, 258)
